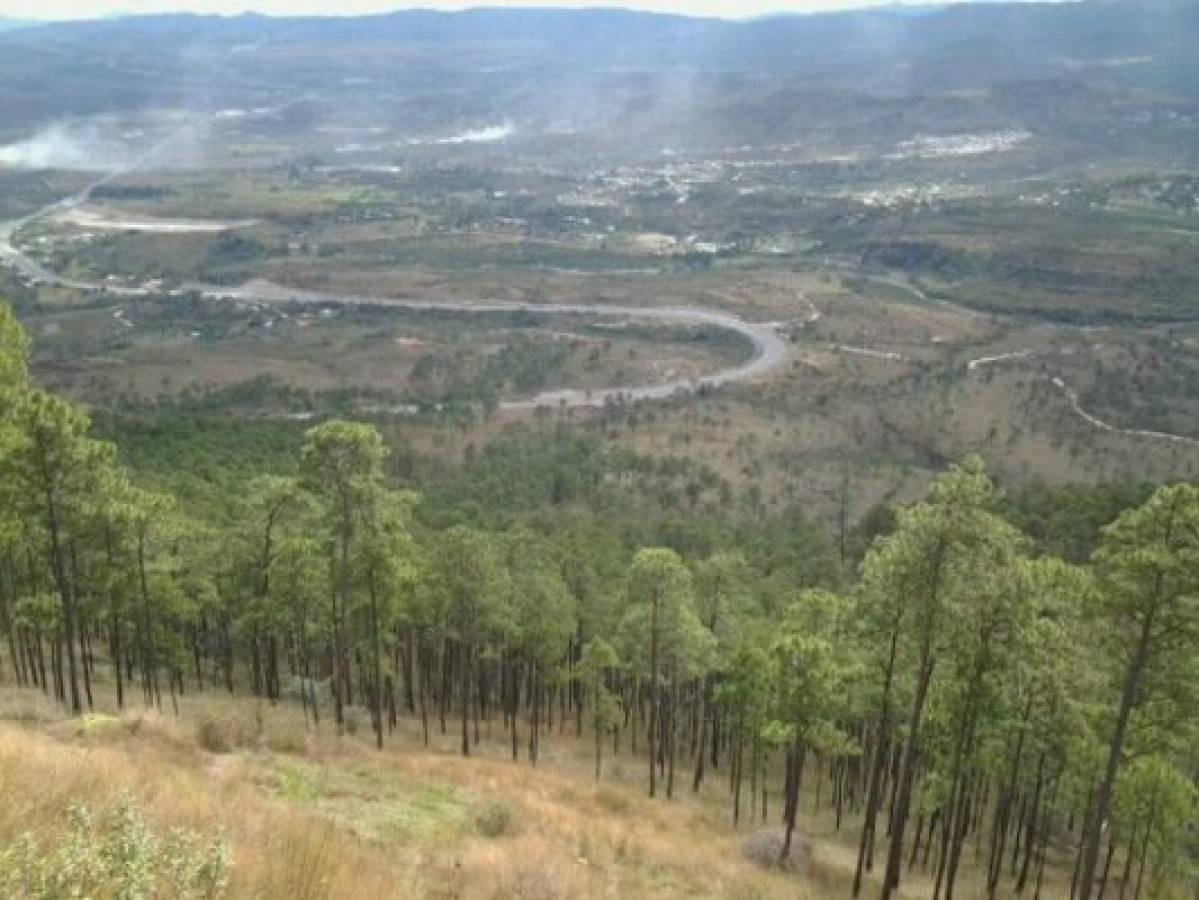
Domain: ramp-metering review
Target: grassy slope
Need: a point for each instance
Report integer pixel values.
(311, 815)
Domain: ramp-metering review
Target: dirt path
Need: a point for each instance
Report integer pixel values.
(1072, 397)
(1076, 405)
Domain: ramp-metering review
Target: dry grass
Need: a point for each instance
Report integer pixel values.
(310, 815)
(278, 851)
(330, 817)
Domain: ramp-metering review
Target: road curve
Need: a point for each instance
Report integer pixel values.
(770, 350)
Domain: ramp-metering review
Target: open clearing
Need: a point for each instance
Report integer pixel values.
(103, 219)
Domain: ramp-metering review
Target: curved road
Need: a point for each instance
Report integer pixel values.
(769, 349)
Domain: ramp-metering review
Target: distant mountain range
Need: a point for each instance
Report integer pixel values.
(1099, 70)
(1006, 38)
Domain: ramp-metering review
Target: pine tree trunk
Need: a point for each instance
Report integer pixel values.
(377, 648)
(652, 736)
(1144, 854)
(465, 663)
(1103, 802)
(903, 800)
(672, 732)
(1030, 832)
(1003, 810)
(702, 749)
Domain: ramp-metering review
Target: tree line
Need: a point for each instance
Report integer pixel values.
(961, 689)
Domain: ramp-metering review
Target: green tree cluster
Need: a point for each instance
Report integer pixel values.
(967, 684)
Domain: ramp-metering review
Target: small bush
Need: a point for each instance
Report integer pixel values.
(431, 812)
(117, 856)
(765, 847)
(214, 736)
(285, 737)
(495, 820)
(296, 786)
(222, 729)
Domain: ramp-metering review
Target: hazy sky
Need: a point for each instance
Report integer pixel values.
(74, 9)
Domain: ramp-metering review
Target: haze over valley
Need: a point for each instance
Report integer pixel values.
(404, 369)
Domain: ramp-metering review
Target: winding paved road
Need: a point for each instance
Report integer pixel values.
(770, 350)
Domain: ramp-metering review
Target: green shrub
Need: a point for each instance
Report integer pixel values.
(296, 786)
(428, 812)
(118, 856)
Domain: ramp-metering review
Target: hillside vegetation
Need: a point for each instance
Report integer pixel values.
(299, 812)
(339, 670)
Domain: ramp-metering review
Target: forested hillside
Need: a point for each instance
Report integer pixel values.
(983, 693)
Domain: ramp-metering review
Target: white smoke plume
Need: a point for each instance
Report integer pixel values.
(162, 139)
(62, 146)
(487, 135)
